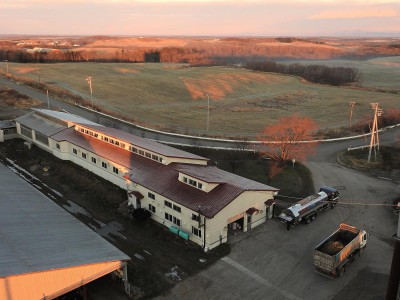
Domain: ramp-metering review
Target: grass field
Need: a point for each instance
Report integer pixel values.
(242, 102)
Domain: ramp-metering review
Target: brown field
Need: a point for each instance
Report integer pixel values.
(242, 102)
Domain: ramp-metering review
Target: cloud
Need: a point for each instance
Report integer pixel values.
(355, 14)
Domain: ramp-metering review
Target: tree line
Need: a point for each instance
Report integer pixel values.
(313, 73)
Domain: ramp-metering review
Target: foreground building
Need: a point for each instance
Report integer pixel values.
(44, 251)
(182, 191)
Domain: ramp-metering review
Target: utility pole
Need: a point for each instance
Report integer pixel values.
(6, 61)
(208, 111)
(48, 101)
(374, 130)
(89, 80)
(38, 73)
(352, 105)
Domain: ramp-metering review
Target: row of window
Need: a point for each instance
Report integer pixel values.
(120, 144)
(173, 206)
(196, 231)
(192, 182)
(93, 159)
(145, 154)
(172, 219)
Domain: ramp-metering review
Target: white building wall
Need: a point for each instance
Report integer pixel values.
(217, 227)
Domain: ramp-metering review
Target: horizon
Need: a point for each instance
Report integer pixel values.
(201, 18)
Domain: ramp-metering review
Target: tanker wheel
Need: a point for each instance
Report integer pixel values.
(308, 220)
(313, 217)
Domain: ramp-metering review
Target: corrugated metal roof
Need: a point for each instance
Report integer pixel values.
(6, 124)
(36, 234)
(64, 116)
(145, 143)
(163, 179)
(40, 124)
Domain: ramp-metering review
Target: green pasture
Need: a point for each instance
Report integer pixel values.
(242, 102)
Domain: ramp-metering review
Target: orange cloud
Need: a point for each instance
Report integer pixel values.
(355, 14)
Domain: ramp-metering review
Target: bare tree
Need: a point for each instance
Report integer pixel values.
(273, 168)
(285, 140)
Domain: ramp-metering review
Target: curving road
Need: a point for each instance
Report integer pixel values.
(325, 151)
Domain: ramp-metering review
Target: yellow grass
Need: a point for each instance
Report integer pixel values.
(242, 102)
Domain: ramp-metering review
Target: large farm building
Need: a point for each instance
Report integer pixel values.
(182, 191)
(44, 251)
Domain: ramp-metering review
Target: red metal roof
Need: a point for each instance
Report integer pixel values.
(252, 211)
(163, 179)
(143, 143)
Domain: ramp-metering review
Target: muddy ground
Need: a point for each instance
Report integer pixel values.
(160, 259)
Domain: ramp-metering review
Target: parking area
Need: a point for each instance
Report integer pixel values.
(270, 262)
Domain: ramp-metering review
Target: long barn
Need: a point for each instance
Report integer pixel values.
(197, 201)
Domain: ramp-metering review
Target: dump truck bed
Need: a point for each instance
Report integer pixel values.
(334, 250)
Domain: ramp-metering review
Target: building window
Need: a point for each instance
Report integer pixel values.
(58, 146)
(192, 182)
(152, 208)
(196, 231)
(94, 160)
(167, 204)
(199, 185)
(168, 217)
(106, 139)
(134, 150)
(122, 145)
(74, 151)
(185, 179)
(26, 132)
(141, 152)
(155, 157)
(172, 219)
(42, 138)
(84, 155)
(176, 221)
(151, 195)
(96, 135)
(116, 143)
(195, 217)
(177, 208)
(115, 170)
(148, 155)
(104, 165)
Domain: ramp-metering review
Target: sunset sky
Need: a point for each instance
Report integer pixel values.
(201, 17)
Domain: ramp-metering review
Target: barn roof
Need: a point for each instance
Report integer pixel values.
(37, 235)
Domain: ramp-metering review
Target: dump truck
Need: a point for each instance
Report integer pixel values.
(335, 253)
(306, 210)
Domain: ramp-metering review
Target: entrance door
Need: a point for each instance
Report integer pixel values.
(138, 203)
(248, 222)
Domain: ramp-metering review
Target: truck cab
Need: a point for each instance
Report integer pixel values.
(363, 238)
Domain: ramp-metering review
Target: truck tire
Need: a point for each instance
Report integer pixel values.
(313, 217)
(308, 220)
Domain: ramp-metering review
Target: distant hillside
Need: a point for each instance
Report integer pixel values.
(191, 50)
